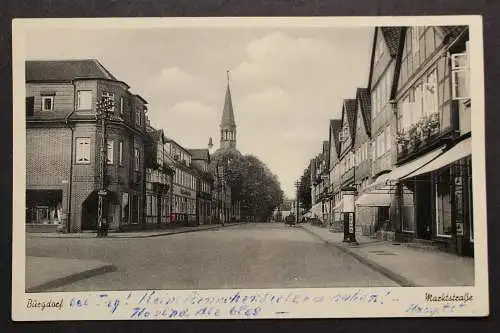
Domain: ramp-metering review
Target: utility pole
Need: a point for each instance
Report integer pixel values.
(104, 107)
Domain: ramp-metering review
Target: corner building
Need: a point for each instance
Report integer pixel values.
(63, 144)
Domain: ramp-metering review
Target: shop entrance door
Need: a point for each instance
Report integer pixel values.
(423, 207)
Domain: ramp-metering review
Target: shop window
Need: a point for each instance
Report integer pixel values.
(408, 210)
(443, 203)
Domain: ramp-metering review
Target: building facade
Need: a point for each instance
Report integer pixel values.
(63, 147)
(159, 176)
(201, 162)
(184, 185)
(433, 119)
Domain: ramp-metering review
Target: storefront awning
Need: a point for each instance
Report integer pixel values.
(405, 169)
(376, 198)
(457, 152)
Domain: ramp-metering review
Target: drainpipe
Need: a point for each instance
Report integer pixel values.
(70, 180)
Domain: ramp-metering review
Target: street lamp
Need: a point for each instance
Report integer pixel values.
(297, 186)
(104, 108)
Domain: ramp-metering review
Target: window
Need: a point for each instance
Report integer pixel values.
(138, 118)
(109, 154)
(120, 153)
(154, 206)
(460, 69)
(388, 138)
(121, 105)
(443, 203)
(380, 145)
(84, 100)
(110, 96)
(47, 103)
(125, 209)
(83, 150)
(430, 94)
(137, 159)
(149, 200)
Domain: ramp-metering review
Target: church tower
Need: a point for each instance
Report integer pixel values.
(228, 125)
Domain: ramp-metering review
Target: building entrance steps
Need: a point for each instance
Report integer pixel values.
(407, 265)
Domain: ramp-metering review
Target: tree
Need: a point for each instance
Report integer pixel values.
(252, 183)
(305, 189)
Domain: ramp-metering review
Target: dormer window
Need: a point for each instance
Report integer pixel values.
(47, 103)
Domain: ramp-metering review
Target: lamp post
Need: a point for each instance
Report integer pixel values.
(297, 186)
(104, 108)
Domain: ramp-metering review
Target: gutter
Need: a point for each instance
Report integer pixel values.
(70, 181)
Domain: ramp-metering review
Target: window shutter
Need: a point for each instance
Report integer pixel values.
(30, 106)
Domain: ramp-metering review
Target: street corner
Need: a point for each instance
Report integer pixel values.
(45, 273)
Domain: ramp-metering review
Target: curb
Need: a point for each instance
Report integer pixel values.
(71, 278)
(399, 279)
(167, 233)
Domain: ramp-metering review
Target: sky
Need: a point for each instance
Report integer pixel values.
(286, 83)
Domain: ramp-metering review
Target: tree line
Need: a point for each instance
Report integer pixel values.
(252, 184)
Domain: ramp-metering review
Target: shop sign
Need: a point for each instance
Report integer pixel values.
(460, 229)
(351, 223)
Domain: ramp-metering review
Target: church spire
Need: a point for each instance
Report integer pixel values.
(228, 124)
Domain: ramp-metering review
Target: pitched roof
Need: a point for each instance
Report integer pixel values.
(364, 99)
(199, 154)
(156, 135)
(227, 112)
(392, 36)
(350, 110)
(66, 70)
(335, 127)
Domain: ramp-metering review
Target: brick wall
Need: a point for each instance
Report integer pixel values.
(48, 156)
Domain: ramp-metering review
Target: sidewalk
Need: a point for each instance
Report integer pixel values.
(134, 234)
(43, 273)
(408, 266)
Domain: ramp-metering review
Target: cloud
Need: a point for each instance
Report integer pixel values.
(190, 123)
(172, 85)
